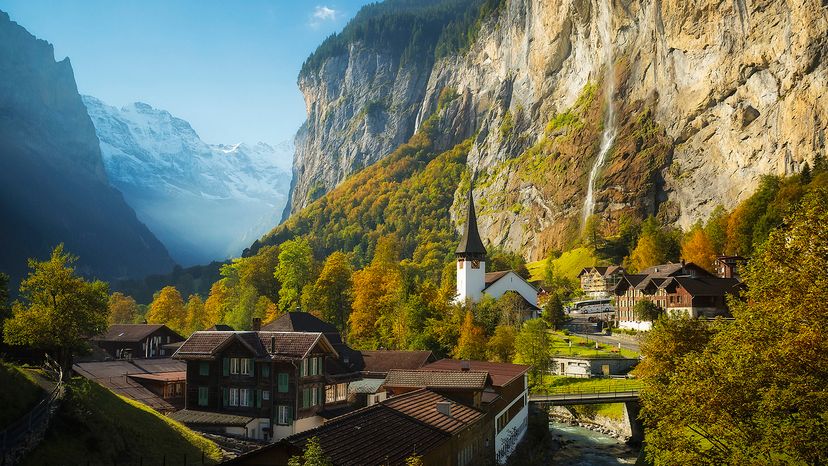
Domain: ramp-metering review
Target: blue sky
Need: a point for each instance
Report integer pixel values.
(228, 67)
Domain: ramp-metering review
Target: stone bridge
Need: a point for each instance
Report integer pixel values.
(628, 395)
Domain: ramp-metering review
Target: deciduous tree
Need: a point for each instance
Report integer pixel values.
(294, 272)
(58, 311)
(378, 292)
(648, 311)
(332, 292)
(532, 346)
(196, 317)
(168, 308)
(698, 249)
(122, 309)
(472, 342)
(501, 346)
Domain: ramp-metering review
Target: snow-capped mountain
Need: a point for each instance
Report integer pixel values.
(204, 202)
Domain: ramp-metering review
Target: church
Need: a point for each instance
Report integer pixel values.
(473, 281)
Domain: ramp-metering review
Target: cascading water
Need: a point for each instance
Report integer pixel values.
(608, 136)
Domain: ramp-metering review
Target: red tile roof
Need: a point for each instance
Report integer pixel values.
(501, 373)
(383, 361)
(291, 345)
(422, 405)
(434, 378)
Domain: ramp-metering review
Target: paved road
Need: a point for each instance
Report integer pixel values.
(611, 340)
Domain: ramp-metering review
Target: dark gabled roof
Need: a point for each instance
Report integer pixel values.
(675, 269)
(382, 361)
(437, 378)
(422, 405)
(501, 373)
(205, 418)
(289, 345)
(470, 243)
(705, 286)
(492, 277)
(130, 332)
(300, 322)
(629, 280)
(650, 280)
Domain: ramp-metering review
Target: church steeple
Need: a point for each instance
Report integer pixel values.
(471, 246)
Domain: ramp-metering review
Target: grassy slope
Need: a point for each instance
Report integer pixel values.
(569, 265)
(97, 426)
(18, 393)
(586, 348)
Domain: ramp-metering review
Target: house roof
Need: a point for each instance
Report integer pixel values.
(129, 332)
(705, 286)
(422, 405)
(221, 328)
(365, 385)
(291, 345)
(162, 376)
(501, 373)
(437, 378)
(382, 361)
(492, 277)
(191, 417)
(470, 242)
(118, 376)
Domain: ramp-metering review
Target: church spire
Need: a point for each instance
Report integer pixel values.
(471, 247)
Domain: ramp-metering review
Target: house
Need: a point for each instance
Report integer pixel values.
(129, 341)
(677, 288)
(473, 281)
(158, 383)
(379, 362)
(276, 380)
(599, 282)
(729, 266)
(465, 386)
(505, 401)
(418, 423)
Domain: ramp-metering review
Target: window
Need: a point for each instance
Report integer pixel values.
(316, 397)
(225, 362)
(246, 366)
(313, 366)
(330, 393)
(244, 397)
(234, 397)
(265, 395)
(234, 365)
(204, 368)
(304, 370)
(265, 371)
(341, 391)
(283, 415)
(283, 382)
(203, 394)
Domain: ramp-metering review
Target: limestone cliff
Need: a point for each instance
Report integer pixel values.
(708, 96)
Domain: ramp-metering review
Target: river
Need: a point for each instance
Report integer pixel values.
(584, 447)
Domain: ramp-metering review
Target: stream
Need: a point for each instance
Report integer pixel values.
(583, 447)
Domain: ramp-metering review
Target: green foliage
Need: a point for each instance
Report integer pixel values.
(568, 265)
(656, 245)
(716, 229)
(18, 393)
(57, 310)
(414, 460)
(312, 456)
(507, 125)
(5, 308)
(648, 311)
(294, 272)
(532, 346)
(94, 426)
(499, 259)
(753, 391)
(553, 311)
(501, 346)
(333, 291)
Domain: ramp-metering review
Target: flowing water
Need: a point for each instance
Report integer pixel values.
(609, 133)
(583, 447)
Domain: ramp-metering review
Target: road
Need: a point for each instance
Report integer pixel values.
(611, 340)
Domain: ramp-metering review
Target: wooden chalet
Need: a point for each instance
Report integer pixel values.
(132, 341)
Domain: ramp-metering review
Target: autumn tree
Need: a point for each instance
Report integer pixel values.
(122, 309)
(196, 317)
(501, 346)
(716, 229)
(219, 302)
(511, 306)
(168, 308)
(698, 249)
(294, 272)
(532, 346)
(655, 246)
(259, 270)
(377, 294)
(332, 292)
(312, 456)
(754, 392)
(57, 311)
(472, 342)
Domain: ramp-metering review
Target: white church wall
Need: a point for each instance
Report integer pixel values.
(513, 282)
(470, 281)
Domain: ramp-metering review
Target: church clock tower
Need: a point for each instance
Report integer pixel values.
(471, 259)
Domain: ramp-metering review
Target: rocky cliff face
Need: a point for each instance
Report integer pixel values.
(708, 97)
(205, 202)
(53, 186)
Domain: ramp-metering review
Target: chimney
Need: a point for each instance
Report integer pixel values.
(273, 344)
(464, 366)
(257, 324)
(444, 407)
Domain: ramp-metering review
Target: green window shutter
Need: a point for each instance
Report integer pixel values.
(283, 382)
(250, 397)
(226, 362)
(202, 396)
(224, 396)
(266, 370)
(204, 368)
(289, 415)
(258, 398)
(302, 368)
(305, 397)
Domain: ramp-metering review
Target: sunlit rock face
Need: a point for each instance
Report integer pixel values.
(205, 202)
(53, 186)
(709, 96)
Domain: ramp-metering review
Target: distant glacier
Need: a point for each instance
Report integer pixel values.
(205, 202)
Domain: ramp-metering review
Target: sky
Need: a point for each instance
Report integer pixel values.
(227, 67)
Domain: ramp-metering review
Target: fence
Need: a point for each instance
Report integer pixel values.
(26, 432)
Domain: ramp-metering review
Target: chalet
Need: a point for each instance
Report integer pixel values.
(599, 282)
(677, 288)
(418, 423)
(158, 383)
(271, 382)
(505, 400)
(729, 266)
(128, 341)
(473, 281)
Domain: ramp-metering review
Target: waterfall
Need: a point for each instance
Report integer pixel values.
(609, 133)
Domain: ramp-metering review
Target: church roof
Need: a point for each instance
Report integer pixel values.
(470, 243)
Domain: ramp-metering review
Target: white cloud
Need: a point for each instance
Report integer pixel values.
(322, 14)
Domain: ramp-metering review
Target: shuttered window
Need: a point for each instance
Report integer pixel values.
(226, 366)
(203, 393)
(283, 382)
(265, 370)
(204, 368)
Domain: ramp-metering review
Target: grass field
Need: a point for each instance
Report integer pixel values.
(18, 393)
(96, 427)
(556, 383)
(569, 265)
(585, 347)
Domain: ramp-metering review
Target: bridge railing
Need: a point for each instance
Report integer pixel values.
(620, 389)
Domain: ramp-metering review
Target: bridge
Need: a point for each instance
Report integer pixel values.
(626, 393)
